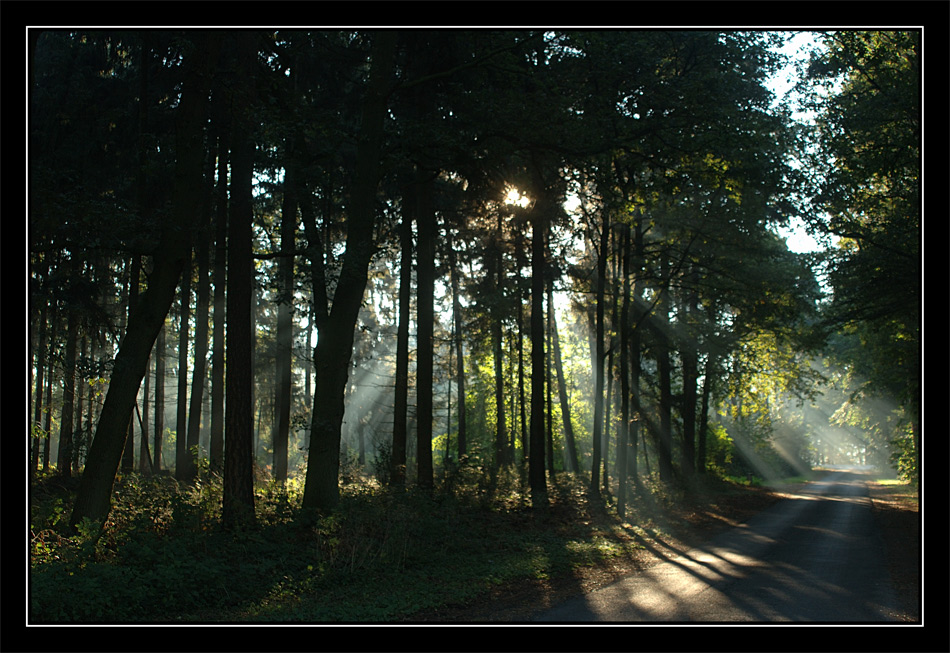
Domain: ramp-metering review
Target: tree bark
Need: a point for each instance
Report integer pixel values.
(623, 431)
(569, 442)
(238, 499)
(495, 310)
(135, 271)
(219, 279)
(334, 348)
(401, 400)
(548, 379)
(634, 343)
(689, 357)
(41, 362)
(663, 364)
(181, 421)
(51, 373)
(145, 456)
(425, 324)
(64, 459)
(610, 367)
(704, 413)
(599, 360)
(285, 272)
(460, 359)
(93, 499)
(159, 399)
(200, 372)
(539, 226)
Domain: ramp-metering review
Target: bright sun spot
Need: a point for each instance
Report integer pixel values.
(514, 196)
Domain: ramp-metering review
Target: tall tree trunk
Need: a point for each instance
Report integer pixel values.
(689, 357)
(549, 381)
(94, 495)
(128, 456)
(496, 276)
(663, 363)
(200, 372)
(459, 358)
(599, 360)
(64, 461)
(539, 226)
(219, 274)
(401, 400)
(79, 439)
(501, 426)
(425, 329)
(238, 500)
(634, 343)
(145, 210)
(41, 362)
(335, 342)
(159, 400)
(145, 463)
(288, 229)
(181, 421)
(520, 337)
(623, 432)
(51, 373)
(523, 421)
(709, 370)
(611, 369)
(569, 441)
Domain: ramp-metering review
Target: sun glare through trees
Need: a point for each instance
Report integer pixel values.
(297, 278)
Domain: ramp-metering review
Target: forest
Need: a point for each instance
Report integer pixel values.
(324, 297)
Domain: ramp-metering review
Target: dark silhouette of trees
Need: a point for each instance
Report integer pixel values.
(589, 274)
(147, 318)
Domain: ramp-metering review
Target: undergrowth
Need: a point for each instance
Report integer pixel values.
(382, 555)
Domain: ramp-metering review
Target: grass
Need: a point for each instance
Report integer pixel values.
(381, 556)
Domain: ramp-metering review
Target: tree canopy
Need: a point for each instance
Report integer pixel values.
(517, 251)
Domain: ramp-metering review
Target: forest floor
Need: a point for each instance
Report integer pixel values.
(683, 525)
(463, 556)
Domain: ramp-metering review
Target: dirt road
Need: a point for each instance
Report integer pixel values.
(814, 557)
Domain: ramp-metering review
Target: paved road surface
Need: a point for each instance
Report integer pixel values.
(814, 557)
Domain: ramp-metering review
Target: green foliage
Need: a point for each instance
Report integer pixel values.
(904, 456)
(382, 555)
(866, 159)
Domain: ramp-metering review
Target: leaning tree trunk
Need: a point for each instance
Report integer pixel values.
(93, 500)
(334, 348)
(569, 441)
